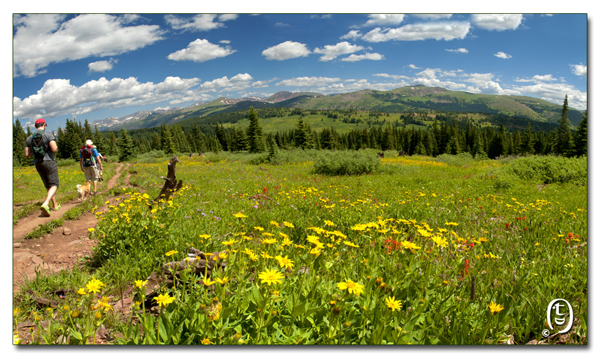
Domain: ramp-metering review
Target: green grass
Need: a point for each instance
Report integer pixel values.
(462, 219)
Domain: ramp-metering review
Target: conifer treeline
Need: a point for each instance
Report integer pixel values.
(443, 137)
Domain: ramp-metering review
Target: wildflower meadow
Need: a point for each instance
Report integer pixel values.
(418, 250)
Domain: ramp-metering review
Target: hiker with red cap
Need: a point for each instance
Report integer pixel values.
(42, 146)
(88, 158)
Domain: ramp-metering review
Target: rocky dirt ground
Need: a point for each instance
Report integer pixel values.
(60, 249)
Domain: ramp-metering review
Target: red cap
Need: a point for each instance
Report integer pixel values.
(40, 121)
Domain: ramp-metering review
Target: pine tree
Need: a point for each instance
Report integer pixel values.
(112, 144)
(167, 144)
(581, 137)
(254, 133)
(181, 143)
(477, 151)
(155, 142)
(70, 141)
(454, 146)
(240, 141)
(420, 149)
(498, 146)
(198, 141)
(19, 138)
(221, 136)
(302, 138)
(126, 146)
(87, 131)
(563, 142)
(527, 142)
(272, 147)
(99, 140)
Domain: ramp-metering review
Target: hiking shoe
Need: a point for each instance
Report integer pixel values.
(57, 208)
(45, 210)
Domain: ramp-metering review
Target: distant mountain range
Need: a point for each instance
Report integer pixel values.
(405, 99)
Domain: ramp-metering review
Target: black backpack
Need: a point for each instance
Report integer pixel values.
(38, 146)
(86, 155)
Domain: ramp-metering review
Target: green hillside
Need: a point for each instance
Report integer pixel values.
(410, 99)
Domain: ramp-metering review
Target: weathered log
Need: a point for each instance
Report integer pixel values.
(171, 185)
(200, 265)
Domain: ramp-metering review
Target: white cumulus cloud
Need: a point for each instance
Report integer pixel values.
(352, 35)
(502, 55)
(579, 70)
(555, 93)
(365, 56)
(286, 50)
(43, 39)
(330, 52)
(227, 17)
(395, 77)
(200, 50)
(459, 50)
(485, 83)
(101, 66)
(498, 22)
(435, 30)
(236, 83)
(384, 19)
(432, 16)
(308, 81)
(59, 97)
(200, 22)
(537, 78)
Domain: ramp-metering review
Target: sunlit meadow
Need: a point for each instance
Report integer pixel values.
(422, 252)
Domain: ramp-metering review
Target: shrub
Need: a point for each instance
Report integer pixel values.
(215, 157)
(347, 163)
(549, 169)
(151, 157)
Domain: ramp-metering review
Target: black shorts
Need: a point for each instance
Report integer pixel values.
(48, 171)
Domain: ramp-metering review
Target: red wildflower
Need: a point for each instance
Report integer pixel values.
(570, 235)
(507, 225)
(466, 268)
(265, 190)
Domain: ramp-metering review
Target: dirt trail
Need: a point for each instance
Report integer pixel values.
(27, 224)
(61, 248)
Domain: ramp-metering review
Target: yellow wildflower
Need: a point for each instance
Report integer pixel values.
(351, 287)
(392, 303)
(164, 299)
(207, 282)
(94, 285)
(140, 283)
(270, 277)
(495, 308)
(284, 262)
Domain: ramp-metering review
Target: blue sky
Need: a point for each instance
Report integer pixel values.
(102, 65)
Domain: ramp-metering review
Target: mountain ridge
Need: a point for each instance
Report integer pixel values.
(414, 98)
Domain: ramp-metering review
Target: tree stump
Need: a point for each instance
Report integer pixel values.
(171, 185)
